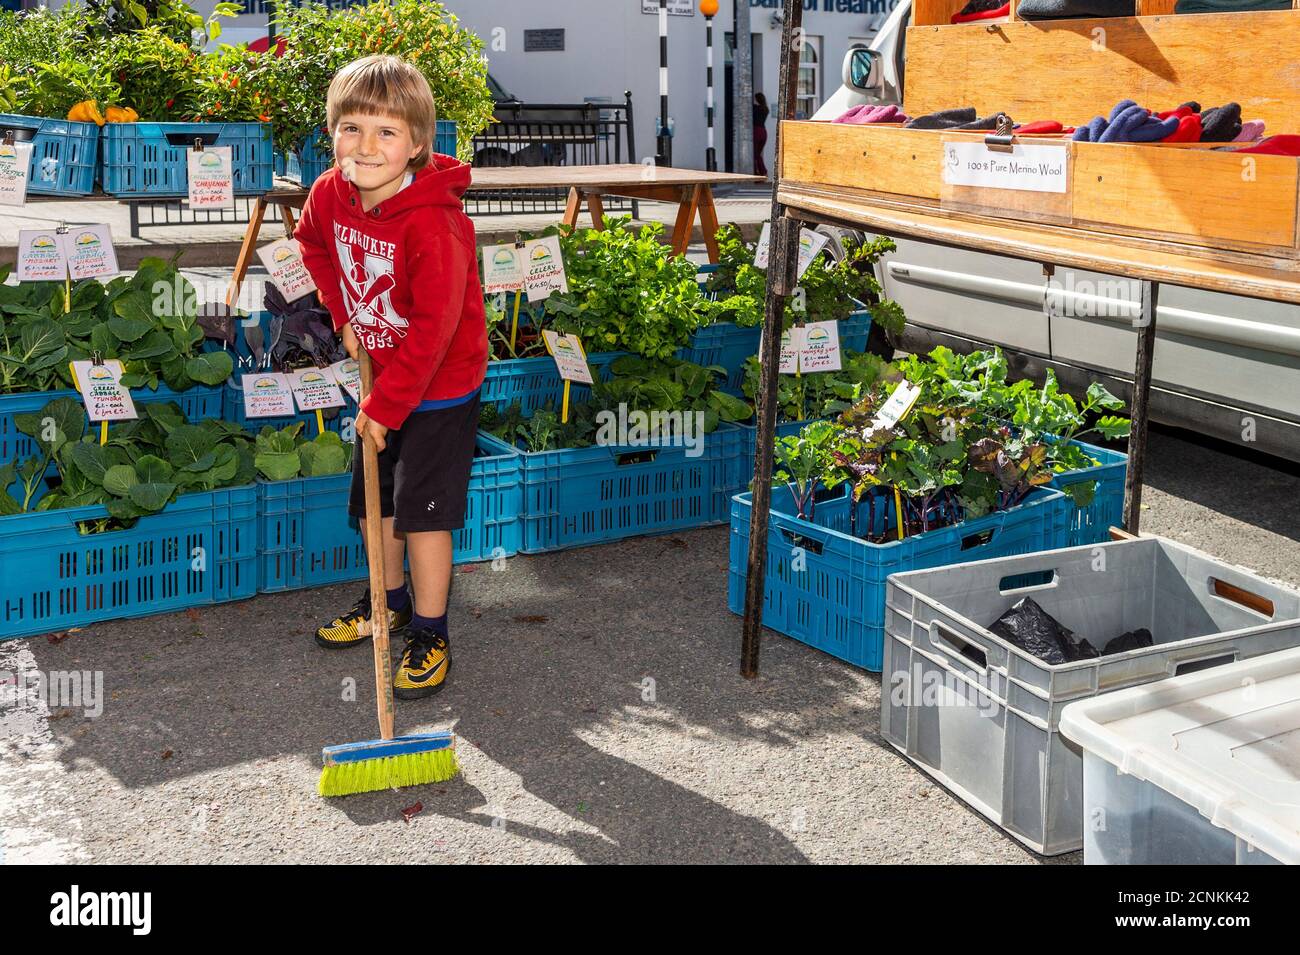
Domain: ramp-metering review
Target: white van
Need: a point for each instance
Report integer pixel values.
(1225, 366)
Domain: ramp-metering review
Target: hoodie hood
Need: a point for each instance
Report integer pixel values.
(441, 183)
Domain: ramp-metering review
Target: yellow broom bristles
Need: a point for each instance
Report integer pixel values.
(388, 772)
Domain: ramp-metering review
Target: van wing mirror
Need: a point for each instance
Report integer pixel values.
(863, 70)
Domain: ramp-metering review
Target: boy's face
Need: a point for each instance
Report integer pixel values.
(373, 151)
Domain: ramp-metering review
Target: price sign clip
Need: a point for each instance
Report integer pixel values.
(1003, 140)
(198, 144)
(9, 137)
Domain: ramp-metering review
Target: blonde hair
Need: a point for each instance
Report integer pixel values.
(385, 86)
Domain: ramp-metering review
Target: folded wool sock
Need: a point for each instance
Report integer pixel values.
(1188, 131)
(986, 123)
(848, 115)
(879, 114)
(1041, 126)
(944, 119)
(1251, 130)
(1285, 145)
(1092, 132)
(1221, 124)
(1187, 109)
(1133, 124)
(1229, 6)
(982, 10)
(1074, 9)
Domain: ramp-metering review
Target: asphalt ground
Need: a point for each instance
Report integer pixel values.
(597, 701)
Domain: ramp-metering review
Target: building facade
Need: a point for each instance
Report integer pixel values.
(571, 51)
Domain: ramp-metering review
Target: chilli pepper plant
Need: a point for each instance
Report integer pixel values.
(320, 39)
(971, 443)
(148, 321)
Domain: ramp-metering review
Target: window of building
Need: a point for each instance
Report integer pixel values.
(810, 78)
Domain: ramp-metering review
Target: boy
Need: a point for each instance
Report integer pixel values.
(392, 252)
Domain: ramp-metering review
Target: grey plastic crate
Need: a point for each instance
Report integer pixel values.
(981, 715)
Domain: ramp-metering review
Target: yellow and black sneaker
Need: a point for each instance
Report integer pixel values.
(353, 627)
(425, 665)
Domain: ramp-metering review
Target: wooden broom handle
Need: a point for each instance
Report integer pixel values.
(375, 560)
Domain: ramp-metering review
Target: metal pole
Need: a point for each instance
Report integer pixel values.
(781, 277)
(1140, 410)
(710, 154)
(742, 96)
(665, 142)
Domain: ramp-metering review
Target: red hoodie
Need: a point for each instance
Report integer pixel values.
(405, 274)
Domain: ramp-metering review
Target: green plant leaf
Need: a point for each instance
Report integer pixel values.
(92, 460)
(119, 479)
(151, 497)
(189, 445)
(152, 469)
(210, 368)
(131, 319)
(278, 465)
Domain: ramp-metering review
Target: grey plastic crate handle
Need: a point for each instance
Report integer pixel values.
(1178, 666)
(1233, 593)
(950, 642)
(1056, 578)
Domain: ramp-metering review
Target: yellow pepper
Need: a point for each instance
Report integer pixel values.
(86, 112)
(121, 114)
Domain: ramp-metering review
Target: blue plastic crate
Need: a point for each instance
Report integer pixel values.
(730, 345)
(196, 404)
(65, 154)
(201, 549)
(534, 381)
(149, 159)
(306, 539)
(312, 158)
(826, 588)
(582, 496)
(1091, 524)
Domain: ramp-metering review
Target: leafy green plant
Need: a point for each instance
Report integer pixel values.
(669, 384)
(528, 342)
(148, 321)
(971, 443)
(320, 40)
(147, 462)
(542, 430)
(627, 292)
(801, 461)
(821, 394)
(830, 291)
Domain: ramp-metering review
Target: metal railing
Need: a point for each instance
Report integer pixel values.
(552, 134)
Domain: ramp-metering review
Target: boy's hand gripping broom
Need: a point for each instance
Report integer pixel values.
(384, 763)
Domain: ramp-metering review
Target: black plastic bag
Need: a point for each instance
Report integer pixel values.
(1034, 630)
(1133, 640)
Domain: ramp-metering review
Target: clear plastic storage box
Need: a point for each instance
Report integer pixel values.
(1198, 770)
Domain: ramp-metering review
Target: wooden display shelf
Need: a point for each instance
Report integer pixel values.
(1200, 198)
(1160, 61)
(1064, 246)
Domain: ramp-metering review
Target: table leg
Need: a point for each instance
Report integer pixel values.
(709, 222)
(246, 250)
(686, 207)
(1140, 407)
(290, 222)
(596, 206)
(572, 207)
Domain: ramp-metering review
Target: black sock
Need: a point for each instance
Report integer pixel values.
(398, 598)
(437, 624)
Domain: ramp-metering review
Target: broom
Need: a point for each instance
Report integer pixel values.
(387, 762)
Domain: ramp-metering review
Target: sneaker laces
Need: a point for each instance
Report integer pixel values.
(360, 609)
(419, 645)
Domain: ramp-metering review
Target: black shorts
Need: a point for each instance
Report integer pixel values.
(424, 470)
